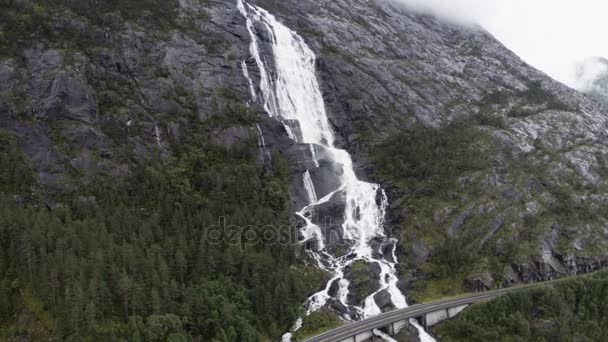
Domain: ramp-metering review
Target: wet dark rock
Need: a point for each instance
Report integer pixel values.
(299, 196)
(324, 174)
(326, 178)
(338, 307)
(329, 216)
(276, 138)
(409, 333)
(66, 98)
(333, 288)
(384, 301)
(106, 154)
(364, 280)
(301, 157)
(342, 310)
(232, 136)
(386, 250)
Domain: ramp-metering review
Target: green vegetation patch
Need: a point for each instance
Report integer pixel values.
(316, 323)
(426, 161)
(15, 174)
(535, 94)
(572, 310)
(22, 21)
(140, 258)
(460, 227)
(430, 167)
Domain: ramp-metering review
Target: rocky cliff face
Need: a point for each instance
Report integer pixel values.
(496, 173)
(89, 97)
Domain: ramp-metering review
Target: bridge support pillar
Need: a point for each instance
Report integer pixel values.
(427, 320)
(397, 326)
(432, 318)
(452, 312)
(365, 336)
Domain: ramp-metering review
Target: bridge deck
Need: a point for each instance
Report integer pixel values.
(386, 319)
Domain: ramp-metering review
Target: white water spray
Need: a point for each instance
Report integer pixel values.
(254, 96)
(309, 187)
(292, 95)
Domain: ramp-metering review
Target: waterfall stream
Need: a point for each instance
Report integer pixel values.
(289, 92)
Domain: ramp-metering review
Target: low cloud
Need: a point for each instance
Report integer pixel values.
(552, 35)
(463, 12)
(589, 71)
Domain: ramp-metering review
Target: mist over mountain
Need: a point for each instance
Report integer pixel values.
(550, 35)
(592, 78)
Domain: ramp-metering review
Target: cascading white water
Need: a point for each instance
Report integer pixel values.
(309, 187)
(251, 88)
(313, 153)
(292, 95)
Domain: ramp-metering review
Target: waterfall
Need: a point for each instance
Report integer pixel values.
(309, 187)
(249, 81)
(291, 94)
(313, 153)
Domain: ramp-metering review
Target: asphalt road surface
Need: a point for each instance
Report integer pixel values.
(418, 310)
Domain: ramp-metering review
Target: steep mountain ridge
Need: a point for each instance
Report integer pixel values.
(513, 170)
(406, 65)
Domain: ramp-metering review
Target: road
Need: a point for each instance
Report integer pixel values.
(385, 319)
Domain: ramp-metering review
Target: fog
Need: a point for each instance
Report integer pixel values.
(552, 35)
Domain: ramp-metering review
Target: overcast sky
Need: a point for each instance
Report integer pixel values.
(552, 35)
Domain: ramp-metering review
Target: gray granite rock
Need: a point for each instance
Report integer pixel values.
(382, 69)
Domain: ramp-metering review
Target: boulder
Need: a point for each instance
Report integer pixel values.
(364, 280)
(383, 300)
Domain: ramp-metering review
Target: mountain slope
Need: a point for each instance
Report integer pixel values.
(571, 310)
(496, 172)
(101, 84)
(126, 146)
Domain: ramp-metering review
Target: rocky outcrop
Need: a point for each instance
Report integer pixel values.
(409, 333)
(83, 110)
(383, 300)
(364, 280)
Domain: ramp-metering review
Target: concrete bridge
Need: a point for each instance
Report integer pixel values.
(428, 314)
